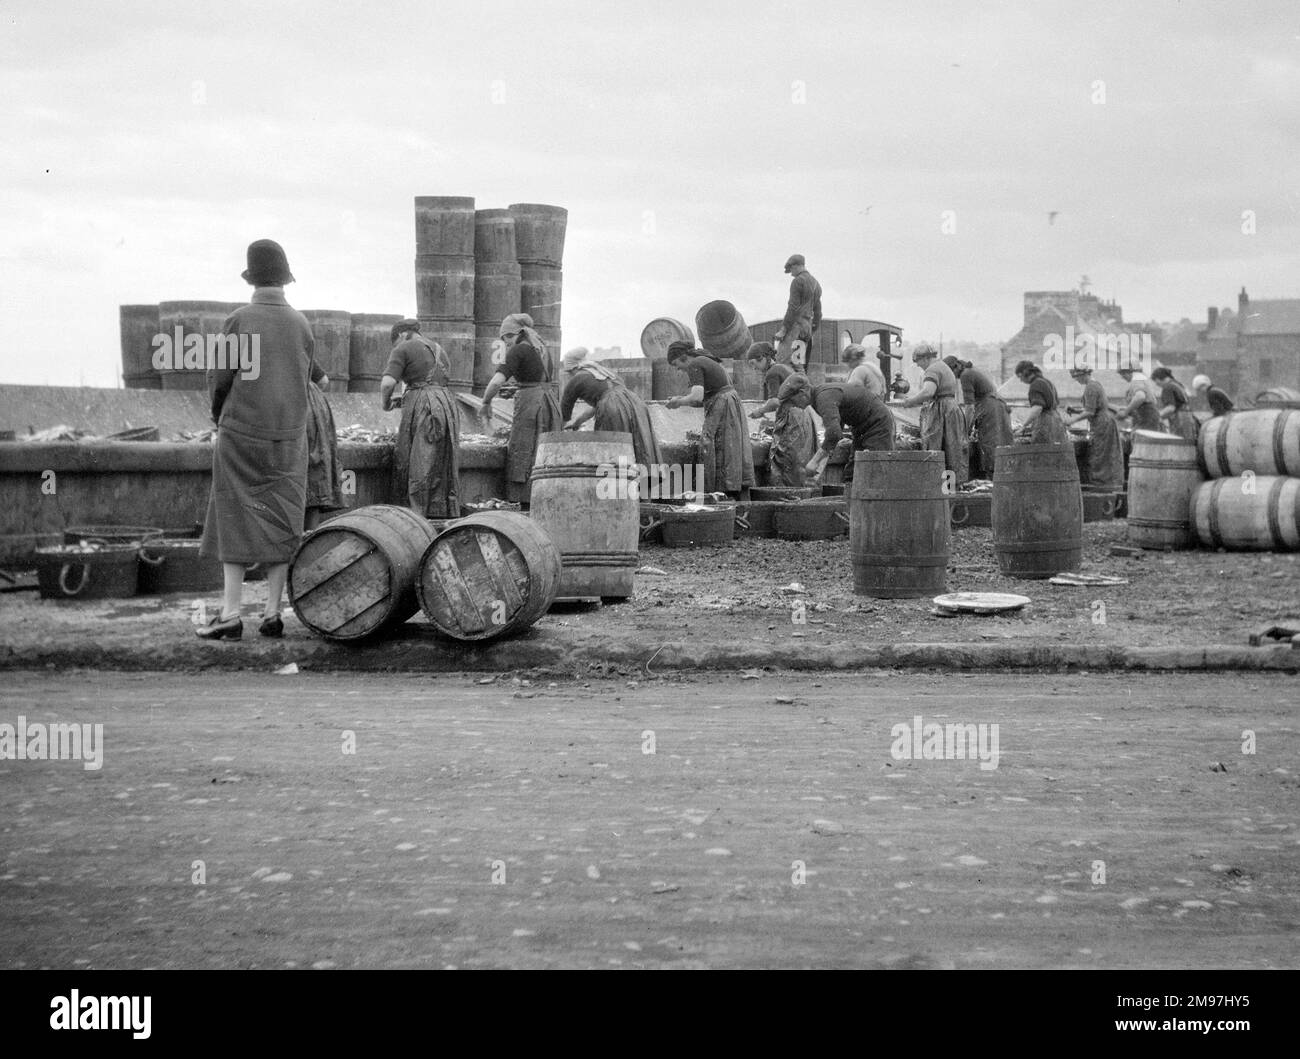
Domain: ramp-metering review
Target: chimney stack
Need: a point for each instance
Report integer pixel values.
(1212, 319)
(1242, 302)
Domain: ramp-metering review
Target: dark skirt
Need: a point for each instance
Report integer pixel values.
(944, 430)
(1184, 424)
(992, 429)
(537, 412)
(258, 498)
(724, 444)
(794, 442)
(622, 411)
(1049, 428)
(426, 458)
(1105, 454)
(324, 483)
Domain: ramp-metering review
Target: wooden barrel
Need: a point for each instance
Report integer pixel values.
(722, 330)
(494, 237)
(355, 575)
(1253, 513)
(666, 381)
(1279, 397)
(541, 288)
(486, 354)
(661, 333)
(369, 347)
(899, 535)
(539, 233)
(1262, 441)
(553, 338)
(816, 519)
(444, 287)
(332, 330)
(457, 340)
(444, 225)
(139, 324)
(584, 495)
(1037, 510)
(1163, 473)
(488, 575)
(496, 291)
(635, 374)
(193, 318)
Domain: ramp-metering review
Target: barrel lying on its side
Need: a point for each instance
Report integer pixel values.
(355, 575)
(488, 575)
(1262, 441)
(1250, 513)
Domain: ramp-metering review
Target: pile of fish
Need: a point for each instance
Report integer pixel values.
(60, 433)
(978, 485)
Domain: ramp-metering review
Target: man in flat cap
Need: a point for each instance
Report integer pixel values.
(426, 456)
(803, 315)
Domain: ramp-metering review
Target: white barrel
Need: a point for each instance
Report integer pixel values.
(1262, 440)
(1249, 513)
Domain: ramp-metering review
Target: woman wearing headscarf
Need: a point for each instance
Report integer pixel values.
(845, 408)
(537, 411)
(724, 441)
(1043, 425)
(774, 373)
(1175, 408)
(1219, 401)
(794, 436)
(259, 460)
(324, 483)
(426, 457)
(612, 405)
(862, 372)
(942, 426)
(990, 419)
(1105, 455)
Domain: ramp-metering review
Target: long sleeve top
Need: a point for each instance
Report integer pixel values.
(805, 302)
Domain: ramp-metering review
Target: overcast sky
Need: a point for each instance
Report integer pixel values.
(695, 143)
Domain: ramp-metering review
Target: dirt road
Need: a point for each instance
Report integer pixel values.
(720, 822)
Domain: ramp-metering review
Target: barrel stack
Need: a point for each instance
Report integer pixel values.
(1252, 498)
(496, 286)
(660, 333)
(444, 279)
(539, 249)
(139, 325)
(331, 330)
(369, 344)
(193, 318)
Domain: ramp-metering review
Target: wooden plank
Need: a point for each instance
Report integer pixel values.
(504, 576)
(461, 606)
(310, 575)
(350, 592)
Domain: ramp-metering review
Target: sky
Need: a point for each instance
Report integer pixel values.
(912, 151)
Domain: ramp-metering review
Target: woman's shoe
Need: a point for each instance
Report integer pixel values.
(273, 626)
(218, 629)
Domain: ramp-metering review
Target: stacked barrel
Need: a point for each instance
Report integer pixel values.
(331, 330)
(539, 249)
(444, 279)
(496, 286)
(660, 333)
(139, 325)
(1252, 498)
(191, 318)
(369, 344)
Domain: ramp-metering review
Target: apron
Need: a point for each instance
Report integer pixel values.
(537, 412)
(724, 444)
(426, 458)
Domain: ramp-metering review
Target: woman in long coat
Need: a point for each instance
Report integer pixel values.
(259, 461)
(1044, 424)
(426, 457)
(537, 412)
(1105, 455)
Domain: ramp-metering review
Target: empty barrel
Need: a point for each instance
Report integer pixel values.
(584, 495)
(899, 535)
(369, 346)
(494, 237)
(539, 233)
(722, 330)
(1037, 510)
(662, 332)
(139, 325)
(332, 331)
(204, 319)
(1249, 513)
(541, 289)
(496, 291)
(1163, 473)
(1262, 441)
(444, 225)
(444, 287)
(355, 575)
(488, 575)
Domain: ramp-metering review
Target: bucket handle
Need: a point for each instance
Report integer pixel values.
(742, 519)
(649, 525)
(965, 514)
(144, 556)
(843, 517)
(63, 578)
(1109, 505)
